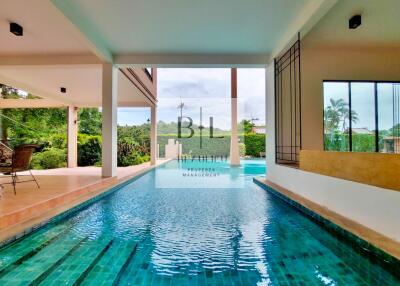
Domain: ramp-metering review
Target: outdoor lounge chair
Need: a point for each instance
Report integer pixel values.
(20, 162)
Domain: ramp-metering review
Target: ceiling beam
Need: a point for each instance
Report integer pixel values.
(94, 40)
(135, 104)
(31, 103)
(306, 19)
(190, 60)
(49, 60)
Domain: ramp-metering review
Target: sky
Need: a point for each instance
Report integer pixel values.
(363, 102)
(206, 88)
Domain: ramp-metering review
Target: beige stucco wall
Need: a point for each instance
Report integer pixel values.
(339, 63)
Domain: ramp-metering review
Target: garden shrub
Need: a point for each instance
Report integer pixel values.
(255, 144)
(89, 150)
(50, 158)
(58, 141)
(129, 152)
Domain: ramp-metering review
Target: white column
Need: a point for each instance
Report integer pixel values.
(153, 136)
(234, 152)
(72, 136)
(270, 116)
(109, 120)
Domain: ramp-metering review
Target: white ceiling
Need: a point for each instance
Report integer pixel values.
(380, 25)
(46, 30)
(190, 26)
(83, 84)
(172, 29)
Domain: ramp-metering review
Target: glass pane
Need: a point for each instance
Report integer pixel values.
(363, 116)
(388, 111)
(336, 116)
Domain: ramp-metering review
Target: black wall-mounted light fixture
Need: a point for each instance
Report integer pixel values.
(16, 29)
(63, 90)
(355, 21)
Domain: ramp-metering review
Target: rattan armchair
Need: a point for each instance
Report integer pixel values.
(21, 161)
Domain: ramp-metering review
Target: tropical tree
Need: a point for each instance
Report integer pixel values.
(246, 126)
(395, 130)
(337, 113)
(90, 121)
(336, 116)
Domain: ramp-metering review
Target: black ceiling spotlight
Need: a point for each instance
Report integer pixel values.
(16, 29)
(63, 90)
(355, 21)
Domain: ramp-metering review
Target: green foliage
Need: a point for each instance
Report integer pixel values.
(130, 152)
(191, 146)
(242, 149)
(246, 126)
(47, 127)
(58, 141)
(35, 125)
(340, 142)
(337, 115)
(336, 142)
(140, 134)
(89, 150)
(164, 128)
(363, 142)
(255, 144)
(89, 121)
(49, 158)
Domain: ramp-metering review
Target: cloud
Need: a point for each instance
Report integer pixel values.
(207, 88)
(211, 88)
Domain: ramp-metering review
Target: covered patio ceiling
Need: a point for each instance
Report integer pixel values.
(83, 83)
(143, 33)
(65, 43)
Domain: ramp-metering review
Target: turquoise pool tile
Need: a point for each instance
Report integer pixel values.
(240, 235)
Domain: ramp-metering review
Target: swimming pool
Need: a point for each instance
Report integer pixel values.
(188, 223)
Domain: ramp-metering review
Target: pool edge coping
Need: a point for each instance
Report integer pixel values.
(368, 241)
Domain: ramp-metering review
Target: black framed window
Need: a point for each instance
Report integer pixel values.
(362, 116)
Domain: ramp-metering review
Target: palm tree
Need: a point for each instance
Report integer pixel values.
(338, 112)
(181, 106)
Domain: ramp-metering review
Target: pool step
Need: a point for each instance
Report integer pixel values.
(15, 255)
(110, 267)
(32, 270)
(76, 267)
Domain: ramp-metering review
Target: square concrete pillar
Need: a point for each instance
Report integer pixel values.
(153, 136)
(72, 136)
(109, 120)
(234, 151)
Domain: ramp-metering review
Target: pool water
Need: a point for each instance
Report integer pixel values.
(188, 223)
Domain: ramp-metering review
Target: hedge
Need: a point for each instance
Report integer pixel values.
(254, 144)
(89, 150)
